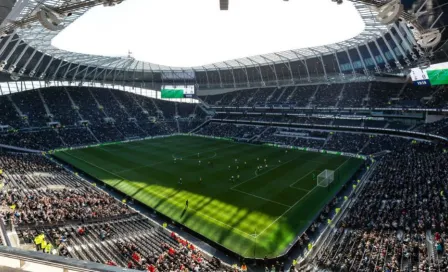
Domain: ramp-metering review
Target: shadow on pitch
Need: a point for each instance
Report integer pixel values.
(183, 212)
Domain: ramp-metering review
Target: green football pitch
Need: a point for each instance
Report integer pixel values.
(258, 214)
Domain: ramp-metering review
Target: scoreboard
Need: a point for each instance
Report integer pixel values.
(419, 76)
(180, 91)
(436, 74)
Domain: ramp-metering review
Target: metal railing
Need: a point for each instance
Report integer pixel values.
(34, 261)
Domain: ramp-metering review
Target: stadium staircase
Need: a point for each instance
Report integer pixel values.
(133, 97)
(367, 98)
(291, 95)
(220, 100)
(159, 112)
(44, 103)
(252, 97)
(72, 102)
(433, 96)
(256, 137)
(402, 89)
(177, 125)
(281, 94)
(431, 246)
(364, 146)
(328, 139)
(123, 108)
(203, 102)
(209, 111)
(102, 110)
(16, 107)
(236, 97)
(272, 95)
(341, 96)
(176, 109)
(196, 129)
(93, 135)
(98, 105)
(313, 97)
(60, 138)
(253, 138)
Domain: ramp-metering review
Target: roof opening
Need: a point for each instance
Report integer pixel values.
(185, 33)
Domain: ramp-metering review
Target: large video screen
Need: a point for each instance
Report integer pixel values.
(173, 92)
(438, 77)
(436, 74)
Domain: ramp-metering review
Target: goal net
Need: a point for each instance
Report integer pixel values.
(325, 178)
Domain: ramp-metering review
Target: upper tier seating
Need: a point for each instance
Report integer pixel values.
(108, 115)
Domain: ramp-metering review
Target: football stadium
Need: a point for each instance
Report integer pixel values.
(223, 135)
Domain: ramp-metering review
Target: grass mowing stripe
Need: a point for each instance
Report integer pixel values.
(156, 163)
(223, 215)
(298, 201)
(71, 155)
(292, 185)
(123, 178)
(265, 199)
(256, 176)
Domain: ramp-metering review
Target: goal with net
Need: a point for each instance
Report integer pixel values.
(325, 178)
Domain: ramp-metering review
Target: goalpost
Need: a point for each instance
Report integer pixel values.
(325, 178)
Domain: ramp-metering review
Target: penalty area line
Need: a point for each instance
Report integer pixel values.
(256, 170)
(292, 185)
(278, 218)
(256, 176)
(265, 199)
(298, 201)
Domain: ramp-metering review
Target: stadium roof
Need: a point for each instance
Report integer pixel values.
(36, 36)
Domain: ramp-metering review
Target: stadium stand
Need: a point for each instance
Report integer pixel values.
(77, 215)
(327, 95)
(394, 235)
(374, 94)
(339, 142)
(301, 95)
(83, 222)
(354, 95)
(83, 116)
(9, 114)
(439, 98)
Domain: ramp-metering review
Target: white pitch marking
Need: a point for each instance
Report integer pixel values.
(278, 218)
(232, 228)
(260, 197)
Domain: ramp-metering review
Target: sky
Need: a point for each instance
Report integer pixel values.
(186, 33)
